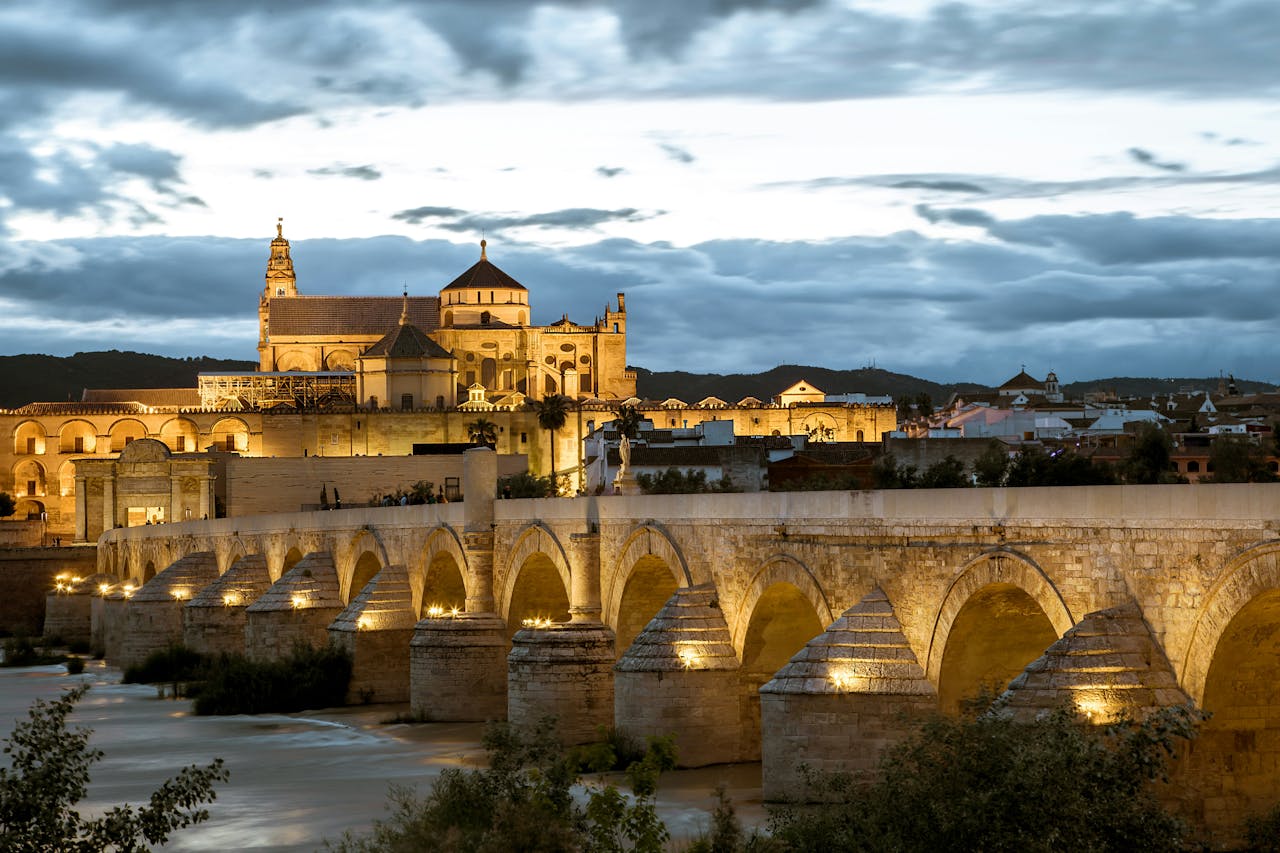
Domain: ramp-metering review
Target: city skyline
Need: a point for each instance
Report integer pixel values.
(944, 190)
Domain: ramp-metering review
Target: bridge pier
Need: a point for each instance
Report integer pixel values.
(214, 621)
(565, 671)
(153, 615)
(375, 629)
(845, 698)
(296, 610)
(680, 677)
(458, 668)
(68, 612)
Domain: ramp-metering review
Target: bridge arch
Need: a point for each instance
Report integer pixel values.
(533, 568)
(1249, 574)
(442, 576)
(784, 569)
(366, 555)
(1000, 613)
(648, 571)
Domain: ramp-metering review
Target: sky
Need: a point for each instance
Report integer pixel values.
(951, 190)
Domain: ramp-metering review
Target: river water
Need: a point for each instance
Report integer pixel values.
(297, 779)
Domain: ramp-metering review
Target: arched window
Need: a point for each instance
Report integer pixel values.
(859, 436)
(1193, 467)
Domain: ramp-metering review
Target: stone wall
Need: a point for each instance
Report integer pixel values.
(564, 672)
(458, 668)
(26, 577)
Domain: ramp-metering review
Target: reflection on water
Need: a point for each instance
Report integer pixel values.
(295, 779)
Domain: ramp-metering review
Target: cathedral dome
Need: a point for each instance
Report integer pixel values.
(484, 295)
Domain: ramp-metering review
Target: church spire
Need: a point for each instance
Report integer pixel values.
(281, 280)
(404, 309)
(483, 244)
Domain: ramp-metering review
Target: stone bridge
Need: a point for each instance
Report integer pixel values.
(829, 613)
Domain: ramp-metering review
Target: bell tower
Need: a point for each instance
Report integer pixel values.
(280, 282)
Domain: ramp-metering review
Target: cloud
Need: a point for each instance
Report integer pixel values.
(955, 215)
(945, 186)
(570, 218)
(610, 171)
(675, 152)
(364, 173)
(1146, 158)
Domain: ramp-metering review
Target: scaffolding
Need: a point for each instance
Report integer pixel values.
(241, 391)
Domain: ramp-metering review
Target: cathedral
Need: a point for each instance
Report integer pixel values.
(435, 352)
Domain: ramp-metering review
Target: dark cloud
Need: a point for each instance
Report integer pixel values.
(417, 215)
(940, 186)
(572, 218)
(675, 152)
(1146, 158)
(609, 171)
(955, 215)
(363, 173)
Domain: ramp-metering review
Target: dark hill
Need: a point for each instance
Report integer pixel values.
(47, 378)
(692, 387)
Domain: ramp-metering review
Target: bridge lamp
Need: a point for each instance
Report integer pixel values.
(103, 588)
(127, 590)
(1095, 707)
(298, 601)
(231, 599)
(689, 658)
(365, 623)
(454, 611)
(60, 586)
(180, 593)
(435, 611)
(846, 680)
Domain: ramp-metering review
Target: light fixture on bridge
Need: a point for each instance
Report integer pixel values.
(689, 658)
(537, 622)
(435, 611)
(298, 600)
(846, 680)
(180, 593)
(127, 590)
(104, 588)
(231, 599)
(365, 622)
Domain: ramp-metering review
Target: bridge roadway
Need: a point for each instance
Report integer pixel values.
(967, 586)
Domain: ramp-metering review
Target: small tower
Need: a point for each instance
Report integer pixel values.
(1052, 390)
(280, 278)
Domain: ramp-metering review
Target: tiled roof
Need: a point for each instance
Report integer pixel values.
(350, 315)
(407, 341)
(1021, 381)
(483, 275)
(186, 398)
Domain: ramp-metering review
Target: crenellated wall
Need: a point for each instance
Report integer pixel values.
(979, 583)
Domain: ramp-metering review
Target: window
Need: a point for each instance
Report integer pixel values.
(859, 436)
(231, 442)
(484, 317)
(615, 328)
(439, 401)
(79, 444)
(181, 443)
(1193, 467)
(31, 487)
(524, 438)
(452, 488)
(31, 444)
(128, 439)
(406, 402)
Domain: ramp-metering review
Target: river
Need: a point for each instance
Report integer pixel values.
(297, 779)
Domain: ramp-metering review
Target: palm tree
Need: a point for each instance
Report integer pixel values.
(552, 412)
(627, 421)
(483, 431)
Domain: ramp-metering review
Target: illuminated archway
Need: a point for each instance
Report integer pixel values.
(999, 630)
(538, 592)
(123, 432)
(366, 567)
(231, 434)
(28, 439)
(442, 584)
(650, 584)
(77, 437)
(29, 479)
(148, 571)
(180, 435)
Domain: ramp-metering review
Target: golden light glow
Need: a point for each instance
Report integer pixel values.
(127, 590)
(688, 657)
(231, 599)
(60, 586)
(180, 593)
(364, 623)
(1095, 707)
(76, 579)
(435, 611)
(537, 622)
(454, 611)
(103, 588)
(298, 600)
(62, 576)
(847, 680)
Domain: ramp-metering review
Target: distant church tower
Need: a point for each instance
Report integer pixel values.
(1052, 390)
(280, 282)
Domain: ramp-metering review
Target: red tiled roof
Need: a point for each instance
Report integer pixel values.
(188, 398)
(349, 315)
(483, 275)
(407, 341)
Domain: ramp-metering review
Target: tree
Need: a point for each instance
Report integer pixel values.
(887, 474)
(673, 481)
(627, 421)
(7, 506)
(1150, 458)
(49, 775)
(924, 404)
(483, 432)
(990, 467)
(944, 474)
(906, 410)
(1236, 459)
(552, 413)
(996, 784)
(526, 485)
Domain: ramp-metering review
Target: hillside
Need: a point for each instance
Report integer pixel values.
(46, 378)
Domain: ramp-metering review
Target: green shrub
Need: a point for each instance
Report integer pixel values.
(1262, 832)
(75, 665)
(308, 678)
(20, 651)
(171, 664)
